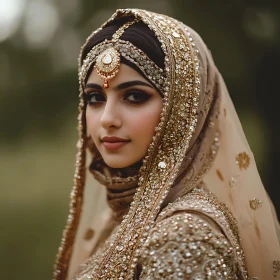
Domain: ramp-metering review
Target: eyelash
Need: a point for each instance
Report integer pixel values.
(143, 97)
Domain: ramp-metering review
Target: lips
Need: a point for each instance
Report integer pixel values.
(113, 139)
(114, 143)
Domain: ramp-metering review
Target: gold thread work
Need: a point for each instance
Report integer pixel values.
(243, 161)
(255, 203)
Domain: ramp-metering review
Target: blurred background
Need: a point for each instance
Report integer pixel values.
(39, 47)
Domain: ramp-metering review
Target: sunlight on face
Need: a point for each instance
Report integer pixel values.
(121, 119)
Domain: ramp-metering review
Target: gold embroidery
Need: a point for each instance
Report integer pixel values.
(208, 161)
(202, 201)
(255, 203)
(243, 160)
(178, 248)
(220, 175)
(276, 267)
(191, 238)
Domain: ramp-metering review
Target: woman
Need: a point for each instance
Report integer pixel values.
(159, 131)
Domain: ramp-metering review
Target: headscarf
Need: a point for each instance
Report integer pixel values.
(199, 138)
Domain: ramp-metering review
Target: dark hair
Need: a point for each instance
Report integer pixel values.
(138, 34)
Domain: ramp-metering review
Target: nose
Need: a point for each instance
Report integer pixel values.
(110, 117)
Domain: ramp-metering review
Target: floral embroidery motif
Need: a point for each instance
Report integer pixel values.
(185, 246)
(178, 248)
(243, 160)
(200, 200)
(276, 267)
(255, 203)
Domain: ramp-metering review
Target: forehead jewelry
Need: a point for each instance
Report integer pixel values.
(108, 62)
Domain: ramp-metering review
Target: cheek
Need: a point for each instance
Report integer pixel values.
(91, 120)
(143, 125)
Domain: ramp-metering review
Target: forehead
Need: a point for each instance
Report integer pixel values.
(124, 74)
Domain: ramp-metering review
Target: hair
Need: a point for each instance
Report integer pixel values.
(138, 34)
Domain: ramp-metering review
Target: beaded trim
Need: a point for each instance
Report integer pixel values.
(203, 201)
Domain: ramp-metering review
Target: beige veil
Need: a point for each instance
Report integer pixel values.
(232, 176)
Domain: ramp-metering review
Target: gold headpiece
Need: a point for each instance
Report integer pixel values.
(108, 65)
(108, 62)
(107, 57)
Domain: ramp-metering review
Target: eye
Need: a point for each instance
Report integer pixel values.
(137, 97)
(94, 98)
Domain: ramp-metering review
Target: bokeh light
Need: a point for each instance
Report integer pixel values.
(10, 17)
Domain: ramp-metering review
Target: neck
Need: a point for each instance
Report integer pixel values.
(121, 185)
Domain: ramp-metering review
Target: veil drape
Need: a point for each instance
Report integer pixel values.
(234, 179)
(96, 214)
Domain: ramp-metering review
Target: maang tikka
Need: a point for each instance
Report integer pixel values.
(108, 62)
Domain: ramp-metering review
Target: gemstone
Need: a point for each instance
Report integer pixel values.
(162, 165)
(107, 59)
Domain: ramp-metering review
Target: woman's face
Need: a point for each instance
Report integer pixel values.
(122, 118)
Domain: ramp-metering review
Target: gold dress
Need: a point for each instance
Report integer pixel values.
(187, 241)
(196, 208)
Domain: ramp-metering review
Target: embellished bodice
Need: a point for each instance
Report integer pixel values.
(195, 237)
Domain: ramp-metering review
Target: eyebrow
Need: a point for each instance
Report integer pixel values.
(120, 86)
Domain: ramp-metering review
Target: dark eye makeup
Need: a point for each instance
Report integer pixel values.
(94, 98)
(133, 96)
(136, 96)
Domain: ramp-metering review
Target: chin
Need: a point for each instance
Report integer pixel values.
(118, 163)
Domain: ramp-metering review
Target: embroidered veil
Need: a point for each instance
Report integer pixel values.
(199, 139)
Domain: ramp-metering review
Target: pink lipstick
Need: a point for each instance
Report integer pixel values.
(114, 143)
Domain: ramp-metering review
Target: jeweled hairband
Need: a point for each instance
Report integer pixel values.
(107, 57)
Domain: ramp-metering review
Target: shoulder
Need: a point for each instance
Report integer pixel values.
(185, 245)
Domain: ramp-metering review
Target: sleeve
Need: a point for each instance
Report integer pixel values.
(186, 246)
